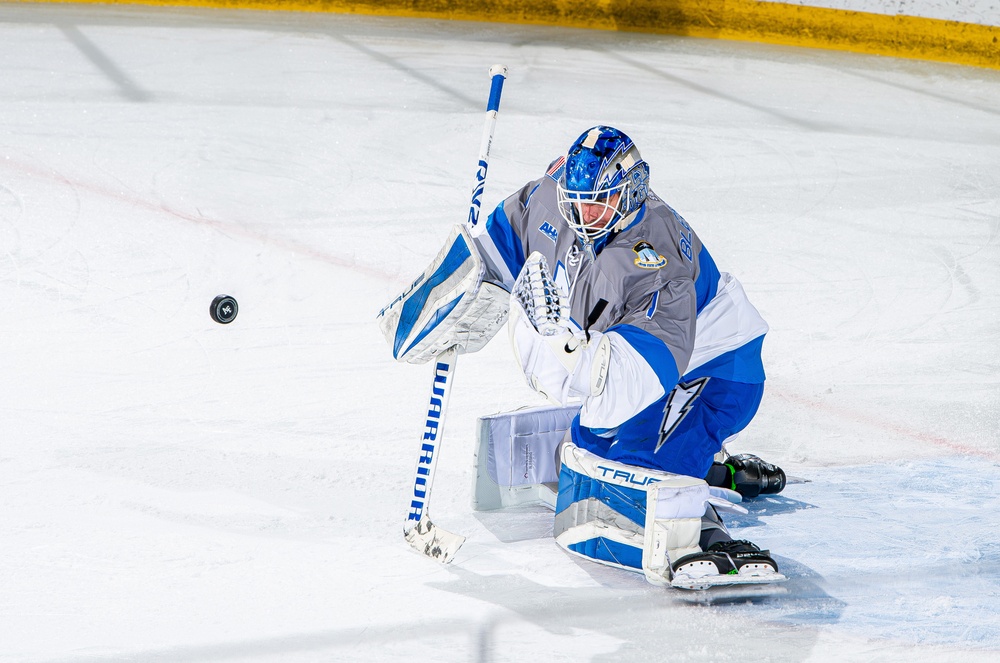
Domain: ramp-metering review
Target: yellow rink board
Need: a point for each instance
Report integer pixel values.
(748, 20)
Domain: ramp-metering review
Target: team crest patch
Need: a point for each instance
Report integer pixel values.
(549, 231)
(647, 257)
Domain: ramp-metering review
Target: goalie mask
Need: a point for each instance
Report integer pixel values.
(604, 183)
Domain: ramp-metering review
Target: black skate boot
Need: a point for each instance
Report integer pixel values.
(725, 562)
(753, 477)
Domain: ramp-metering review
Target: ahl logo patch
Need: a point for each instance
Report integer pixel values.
(647, 257)
(549, 231)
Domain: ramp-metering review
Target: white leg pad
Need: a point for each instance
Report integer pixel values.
(667, 539)
(626, 516)
(515, 458)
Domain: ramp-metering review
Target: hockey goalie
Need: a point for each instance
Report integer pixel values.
(649, 354)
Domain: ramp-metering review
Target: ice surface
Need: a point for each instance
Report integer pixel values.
(172, 489)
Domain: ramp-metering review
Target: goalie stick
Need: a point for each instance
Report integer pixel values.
(419, 531)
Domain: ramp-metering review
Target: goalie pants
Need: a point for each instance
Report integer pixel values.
(682, 432)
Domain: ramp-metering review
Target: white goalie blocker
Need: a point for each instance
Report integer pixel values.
(449, 305)
(608, 512)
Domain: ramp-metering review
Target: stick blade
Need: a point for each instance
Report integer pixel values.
(430, 540)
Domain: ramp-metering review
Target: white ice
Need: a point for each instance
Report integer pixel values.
(176, 490)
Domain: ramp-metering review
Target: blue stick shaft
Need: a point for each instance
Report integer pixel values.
(496, 88)
(498, 73)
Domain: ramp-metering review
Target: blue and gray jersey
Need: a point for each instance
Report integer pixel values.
(653, 288)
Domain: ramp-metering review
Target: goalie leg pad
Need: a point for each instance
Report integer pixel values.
(516, 457)
(625, 516)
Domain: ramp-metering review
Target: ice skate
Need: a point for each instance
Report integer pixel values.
(752, 476)
(725, 563)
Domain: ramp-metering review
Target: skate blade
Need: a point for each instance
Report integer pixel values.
(722, 594)
(430, 540)
(747, 577)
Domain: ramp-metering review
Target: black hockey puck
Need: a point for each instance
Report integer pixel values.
(224, 309)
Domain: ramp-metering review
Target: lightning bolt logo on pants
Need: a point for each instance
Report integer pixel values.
(678, 405)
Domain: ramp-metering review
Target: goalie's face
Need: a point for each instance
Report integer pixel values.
(590, 214)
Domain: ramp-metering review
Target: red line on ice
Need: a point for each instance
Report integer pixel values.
(226, 227)
(884, 424)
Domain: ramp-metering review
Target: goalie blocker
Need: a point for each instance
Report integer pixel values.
(449, 305)
(619, 515)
